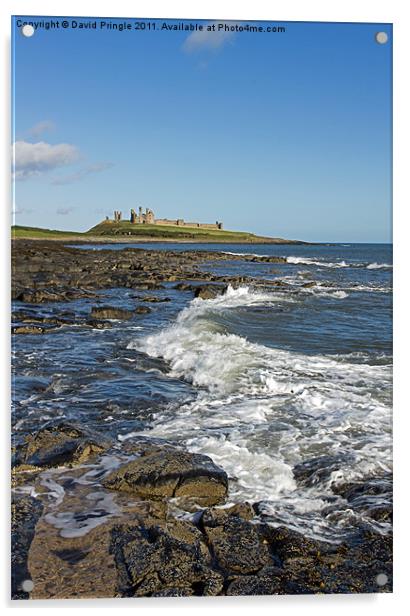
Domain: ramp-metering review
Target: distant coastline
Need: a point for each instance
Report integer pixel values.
(146, 234)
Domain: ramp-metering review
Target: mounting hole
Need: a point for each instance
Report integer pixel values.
(27, 30)
(381, 579)
(27, 585)
(381, 38)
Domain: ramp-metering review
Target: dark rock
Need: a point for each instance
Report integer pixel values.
(142, 310)
(25, 512)
(184, 286)
(288, 544)
(373, 497)
(27, 329)
(168, 472)
(209, 291)
(59, 444)
(375, 486)
(236, 544)
(96, 324)
(269, 581)
(217, 516)
(38, 297)
(162, 561)
(110, 312)
(154, 300)
(315, 470)
(183, 591)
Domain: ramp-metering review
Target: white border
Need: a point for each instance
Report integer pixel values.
(392, 11)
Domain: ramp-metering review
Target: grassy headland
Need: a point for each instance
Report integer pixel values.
(127, 232)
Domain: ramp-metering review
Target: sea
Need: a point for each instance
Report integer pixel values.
(268, 381)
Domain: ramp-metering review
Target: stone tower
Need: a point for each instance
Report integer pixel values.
(149, 217)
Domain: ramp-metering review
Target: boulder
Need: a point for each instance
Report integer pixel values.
(32, 296)
(287, 544)
(155, 300)
(236, 544)
(164, 472)
(60, 444)
(27, 329)
(313, 471)
(142, 310)
(110, 312)
(209, 291)
(96, 324)
(163, 560)
(216, 516)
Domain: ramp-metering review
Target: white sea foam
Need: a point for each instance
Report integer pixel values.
(379, 266)
(316, 262)
(337, 264)
(259, 411)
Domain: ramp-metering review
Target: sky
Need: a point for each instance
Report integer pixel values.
(284, 134)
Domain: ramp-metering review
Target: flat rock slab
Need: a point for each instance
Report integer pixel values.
(110, 312)
(168, 472)
(164, 560)
(25, 512)
(59, 444)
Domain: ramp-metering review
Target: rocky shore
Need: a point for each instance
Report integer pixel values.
(160, 523)
(170, 534)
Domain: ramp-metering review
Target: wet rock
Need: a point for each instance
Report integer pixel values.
(374, 486)
(184, 286)
(61, 444)
(315, 470)
(287, 544)
(72, 567)
(269, 581)
(216, 516)
(143, 310)
(38, 297)
(163, 560)
(261, 259)
(25, 512)
(168, 472)
(110, 312)
(209, 291)
(27, 329)
(308, 285)
(97, 324)
(236, 543)
(153, 299)
(373, 497)
(174, 592)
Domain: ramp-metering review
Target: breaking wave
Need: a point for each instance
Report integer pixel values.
(337, 264)
(259, 411)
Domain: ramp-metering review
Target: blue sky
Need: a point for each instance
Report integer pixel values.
(283, 134)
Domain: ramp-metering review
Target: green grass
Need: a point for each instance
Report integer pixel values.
(18, 231)
(111, 229)
(126, 231)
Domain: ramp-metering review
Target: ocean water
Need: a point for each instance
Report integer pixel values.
(262, 379)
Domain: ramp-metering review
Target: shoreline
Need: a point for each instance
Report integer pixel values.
(149, 240)
(143, 547)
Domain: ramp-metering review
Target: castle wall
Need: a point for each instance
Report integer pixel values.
(149, 218)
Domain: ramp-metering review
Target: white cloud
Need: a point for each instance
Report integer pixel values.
(81, 174)
(44, 126)
(205, 40)
(31, 159)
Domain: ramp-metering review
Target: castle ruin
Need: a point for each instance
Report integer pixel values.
(148, 218)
